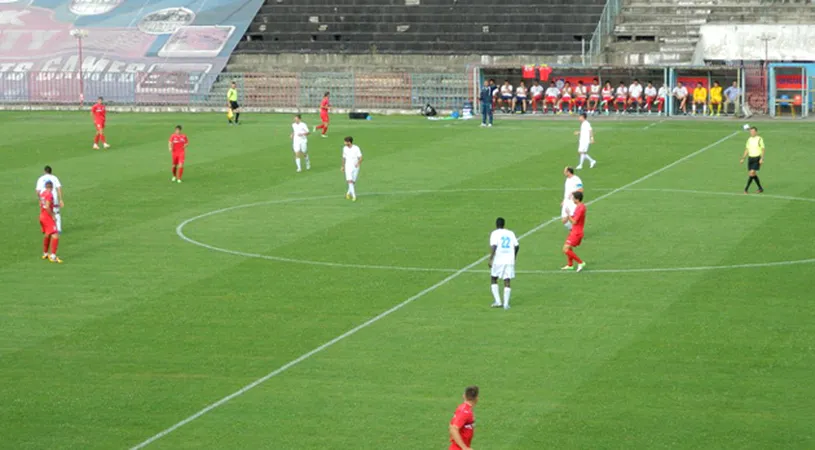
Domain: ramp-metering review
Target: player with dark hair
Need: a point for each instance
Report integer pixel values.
(351, 160)
(56, 191)
(503, 251)
(754, 152)
(48, 224)
(178, 149)
(578, 220)
(325, 106)
(99, 114)
(462, 427)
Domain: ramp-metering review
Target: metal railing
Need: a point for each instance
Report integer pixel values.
(282, 90)
(605, 28)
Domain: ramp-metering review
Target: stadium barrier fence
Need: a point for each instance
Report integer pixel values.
(392, 91)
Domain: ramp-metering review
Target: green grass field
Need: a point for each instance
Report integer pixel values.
(691, 328)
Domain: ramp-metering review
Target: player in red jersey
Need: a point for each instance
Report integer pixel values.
(462, 426)
(48, 223)
(178, 148)
(324, 107)
(577, 220)
(99, 114)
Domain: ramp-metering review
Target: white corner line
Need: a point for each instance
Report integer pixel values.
(410, 300)
(653, 124)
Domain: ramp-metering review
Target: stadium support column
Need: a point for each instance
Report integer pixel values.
(80, 34)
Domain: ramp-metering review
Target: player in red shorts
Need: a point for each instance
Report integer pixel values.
(608, 96)
(462, 426)
(99, 114)
(324, 107)
(48, 223)
(577, 220)
(178, 148)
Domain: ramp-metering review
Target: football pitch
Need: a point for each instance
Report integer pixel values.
(324, 323)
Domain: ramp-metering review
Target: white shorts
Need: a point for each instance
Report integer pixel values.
(503, 271)
(567, 209)
(300, 146)
(351, 173)
(583, 147)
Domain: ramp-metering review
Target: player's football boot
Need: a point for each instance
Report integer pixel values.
(567, 268)
(496, 305)
(354, 198)
(178, 181)
(173, 179)
(55, 259)
(95, 147)
(348, 196)
(581, 266)
(106, 145)
(45, 256)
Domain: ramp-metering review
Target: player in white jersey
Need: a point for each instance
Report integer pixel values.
(650, 96)
(351, 160)
(507, 96)
(586, 137)
(520, 97)
(503, 251)
(573, 184)
(620, 98)
(57, 192)
(635, 95)
(299, 141)
(594, 96)
(536, 91)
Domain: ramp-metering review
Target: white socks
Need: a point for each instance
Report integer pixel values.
(497, 297)
(59, 222)
(297, 161)
(351, 190)
(584, 157)
(308, 163)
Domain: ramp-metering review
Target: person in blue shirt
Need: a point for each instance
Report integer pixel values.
(486, 104)
(731, 96)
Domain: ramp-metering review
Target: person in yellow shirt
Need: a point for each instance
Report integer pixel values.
(754, 152)
(716, 98)
(232, 103)
(700, 98)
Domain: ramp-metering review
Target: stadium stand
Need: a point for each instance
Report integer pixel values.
(667, 31)
(481, 27)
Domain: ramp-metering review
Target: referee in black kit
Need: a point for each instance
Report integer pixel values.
(754, 153)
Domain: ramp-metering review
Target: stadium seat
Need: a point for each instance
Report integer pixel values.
(431, 27)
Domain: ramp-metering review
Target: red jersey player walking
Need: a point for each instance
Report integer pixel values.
(99, 114)
(48, 223)
(324, 107)
(462, 426)
(578, 220)
(178, 148)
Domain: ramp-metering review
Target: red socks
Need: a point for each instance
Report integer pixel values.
(180, 171)
(45, 243)
(325, 129)
(173, 170)
(54, 245)
(571, 256)
(96, 139)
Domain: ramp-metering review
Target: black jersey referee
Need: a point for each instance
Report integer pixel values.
(754, 153)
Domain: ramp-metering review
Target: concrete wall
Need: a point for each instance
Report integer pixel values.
(376, 62)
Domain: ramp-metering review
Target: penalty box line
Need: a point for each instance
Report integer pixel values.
(399, 306)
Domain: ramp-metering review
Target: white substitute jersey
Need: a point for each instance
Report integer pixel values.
(680, 92)
(504, 242)
(299, 131)
(635, 90)
(585, 132)
(572, 184)
(552, 92)
(520, 91)
(663, 92)
(650, 91)
(580, 91)
(536, 91)
(352, 155)
(622, 91)
(595, 90)
(40, 186)
(506, 89)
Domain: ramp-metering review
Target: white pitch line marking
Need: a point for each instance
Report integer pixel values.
(410, 300)
(180, 232)
(653, 124)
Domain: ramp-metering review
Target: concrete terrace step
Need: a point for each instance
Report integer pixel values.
(656, 29)
(662, 18)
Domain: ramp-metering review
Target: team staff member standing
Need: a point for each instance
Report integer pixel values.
(232, 102)
(486, 104)
(754, 152)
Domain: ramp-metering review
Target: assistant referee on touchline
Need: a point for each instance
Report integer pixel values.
(754, 152)
(232, 102)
